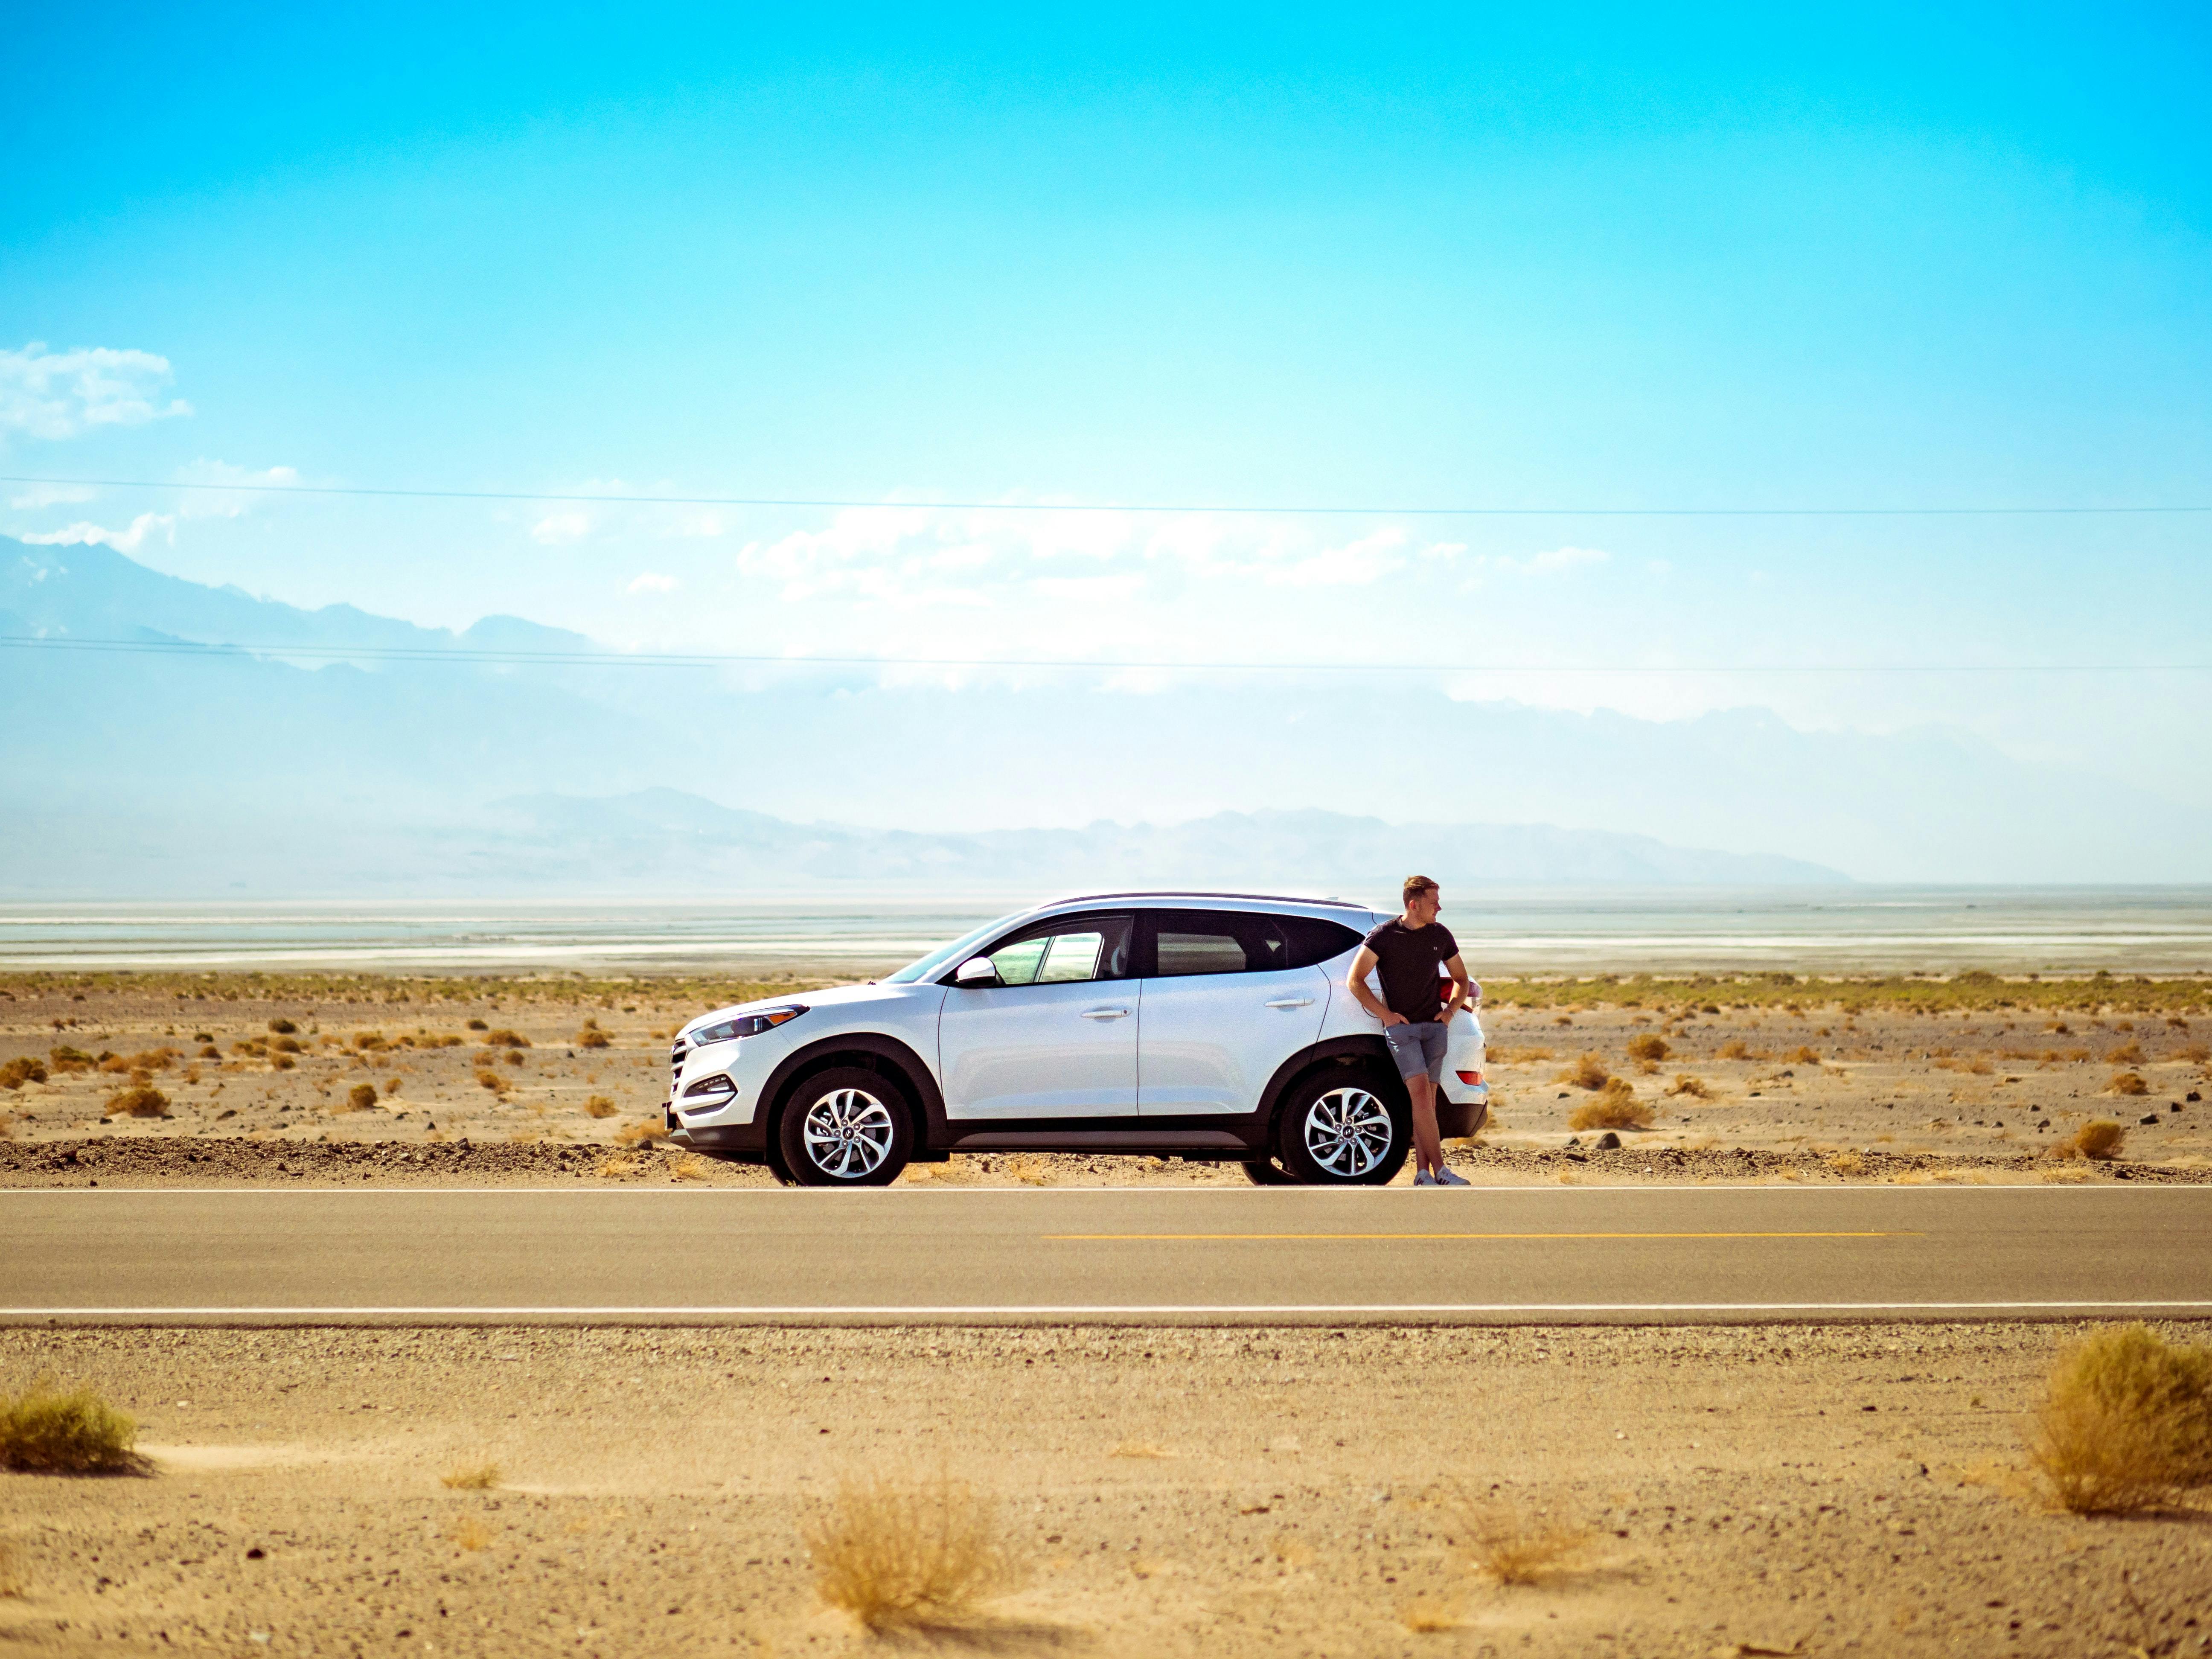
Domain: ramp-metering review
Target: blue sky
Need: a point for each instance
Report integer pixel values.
(1605, 257)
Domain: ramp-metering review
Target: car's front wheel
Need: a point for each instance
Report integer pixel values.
(1344, 1128)
(845, 1127)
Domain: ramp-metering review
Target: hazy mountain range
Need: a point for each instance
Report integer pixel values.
(137, 772)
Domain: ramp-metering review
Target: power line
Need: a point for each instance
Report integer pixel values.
(467, 655)
(1220, 509)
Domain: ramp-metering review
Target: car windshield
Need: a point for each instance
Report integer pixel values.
(945, 956)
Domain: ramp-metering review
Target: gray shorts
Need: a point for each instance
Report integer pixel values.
(1418, 1048)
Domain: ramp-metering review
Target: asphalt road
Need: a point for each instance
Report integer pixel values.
(1257, 1256)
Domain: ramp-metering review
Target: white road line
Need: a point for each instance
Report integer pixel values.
(1068, 1310)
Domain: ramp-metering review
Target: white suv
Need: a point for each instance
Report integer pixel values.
(1196, 1026)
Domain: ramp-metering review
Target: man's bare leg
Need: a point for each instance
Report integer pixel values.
(1428, 1146)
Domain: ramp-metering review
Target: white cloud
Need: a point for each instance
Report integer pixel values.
(35, 496)
(226, 504)
(1555, 562)
(60, 394)
(648, 581)
(123, 541)
(923, 555)
(569, 524)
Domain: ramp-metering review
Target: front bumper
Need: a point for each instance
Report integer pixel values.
(737, 1143)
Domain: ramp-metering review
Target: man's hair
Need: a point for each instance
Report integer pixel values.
(1416, 885)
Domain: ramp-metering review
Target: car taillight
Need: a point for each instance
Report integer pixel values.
(1470, 1077)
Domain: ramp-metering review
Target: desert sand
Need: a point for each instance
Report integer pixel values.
(1761, 1080)
(1805, 1490)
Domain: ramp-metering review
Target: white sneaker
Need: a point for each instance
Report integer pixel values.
(1446, 1178)
(1423, 1178)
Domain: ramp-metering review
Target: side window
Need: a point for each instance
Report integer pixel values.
(1313, 942)
(1066, 951)
(1186, 942)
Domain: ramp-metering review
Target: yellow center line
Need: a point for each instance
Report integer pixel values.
(1250, 1237)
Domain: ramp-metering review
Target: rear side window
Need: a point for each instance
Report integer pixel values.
(1310, 942)
(1186, 942)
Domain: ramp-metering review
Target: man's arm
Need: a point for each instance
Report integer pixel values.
(1459, 997)
(1362, 965)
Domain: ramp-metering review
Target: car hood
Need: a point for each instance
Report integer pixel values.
(833, 996)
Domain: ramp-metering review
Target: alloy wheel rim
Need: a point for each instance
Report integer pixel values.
(847, 1134)
(1347, 1131)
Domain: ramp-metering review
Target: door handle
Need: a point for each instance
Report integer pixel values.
(1105, 1014)
(1292, 1002)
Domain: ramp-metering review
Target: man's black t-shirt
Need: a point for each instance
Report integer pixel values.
(1406, 960)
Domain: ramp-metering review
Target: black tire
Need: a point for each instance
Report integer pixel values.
(1264, 1172)
(847, 1127)
(1344, 1126)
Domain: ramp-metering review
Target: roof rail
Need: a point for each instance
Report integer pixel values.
(1198, 893)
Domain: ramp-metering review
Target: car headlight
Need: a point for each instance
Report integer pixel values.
(744, 1025)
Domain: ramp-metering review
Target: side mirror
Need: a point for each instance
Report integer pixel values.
(975, 973)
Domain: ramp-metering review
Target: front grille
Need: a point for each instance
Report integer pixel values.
(676, 1053)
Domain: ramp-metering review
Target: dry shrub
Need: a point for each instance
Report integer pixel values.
(471, 1477)
(591, 1037)
(1847, 1163)
(48, 1432)
(286, 1045)
(1588, 1072)
(1696, 1087)
(1804, 1056)
(1423, 1615)
(2100, 1140)
(477, 1025)
(2128, 1054)
(504, 1038)
(283, 1027)
(621, 1164)
(910, 1557)
(491, 1081)
(2128, 1083)
(361, 1097)
(66, 1059)
(470, 1533)
(1615, 1108)
(2125, 1422)
(138, 1101)
(2196, 1054)
(12, 1581)
(599, 1106)
(1515, 1548)
(1028, 1168)
(1523, 1056)
(653, 1129)
(1650, 1045)
(2075, 1054)
(209, 1051)
(1736, 1048)
(16, 1072)
(690, 1167)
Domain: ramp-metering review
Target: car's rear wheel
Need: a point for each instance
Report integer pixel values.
(847, 1127)
(1344, 1128)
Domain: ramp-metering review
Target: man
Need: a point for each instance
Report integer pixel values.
(1407, 949)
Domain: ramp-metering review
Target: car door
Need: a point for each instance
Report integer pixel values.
(1223, 1008)
(1056, 1036)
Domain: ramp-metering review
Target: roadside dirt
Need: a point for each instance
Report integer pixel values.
(1792, 1490)
(1979, 1094)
